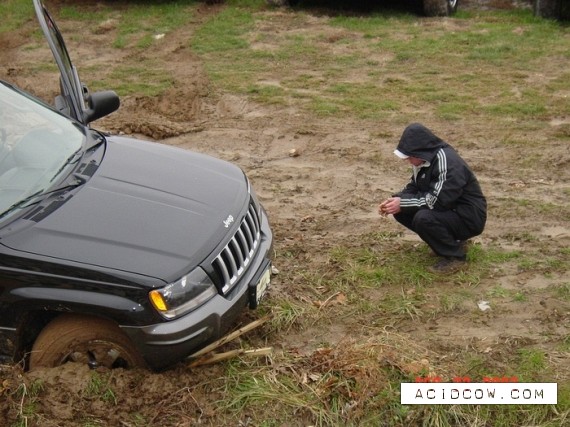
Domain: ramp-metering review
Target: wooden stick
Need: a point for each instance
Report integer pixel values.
(328, 300)
(229, 354)
(232, 336)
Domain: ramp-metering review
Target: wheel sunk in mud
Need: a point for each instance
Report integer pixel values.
(91, 341)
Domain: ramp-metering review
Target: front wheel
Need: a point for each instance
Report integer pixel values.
(440, 7)
(91, 341)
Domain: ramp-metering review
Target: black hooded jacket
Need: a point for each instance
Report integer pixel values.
(443, 182)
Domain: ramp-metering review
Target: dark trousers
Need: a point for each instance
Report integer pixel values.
(443, 231)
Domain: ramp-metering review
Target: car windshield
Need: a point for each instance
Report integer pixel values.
(36, 144)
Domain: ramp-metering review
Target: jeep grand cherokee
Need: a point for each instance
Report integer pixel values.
(116, 252)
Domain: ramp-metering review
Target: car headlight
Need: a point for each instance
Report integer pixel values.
(184, 295)
(254, 199)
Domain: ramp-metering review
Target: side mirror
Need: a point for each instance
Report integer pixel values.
(101, 104)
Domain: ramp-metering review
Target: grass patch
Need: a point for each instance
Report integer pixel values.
(146, 79)
(361, 65)
(98, 387)
(28, 395)
(14, 14)
(286, 314)
(358, 383)
(225, 33)
(563, 291)
(387, 284)
(135, 23)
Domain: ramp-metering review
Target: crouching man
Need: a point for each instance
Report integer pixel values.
(443, 202)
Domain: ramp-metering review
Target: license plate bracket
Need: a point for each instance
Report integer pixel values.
(258, 288)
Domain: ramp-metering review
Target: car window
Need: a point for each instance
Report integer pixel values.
(35, 144)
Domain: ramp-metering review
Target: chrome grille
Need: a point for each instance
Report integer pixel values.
(235, 257)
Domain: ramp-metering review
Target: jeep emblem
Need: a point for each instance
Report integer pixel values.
(228, 221)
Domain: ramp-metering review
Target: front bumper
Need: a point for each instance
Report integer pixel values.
(165, 344)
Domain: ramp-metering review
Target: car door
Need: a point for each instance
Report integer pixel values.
(75, 101)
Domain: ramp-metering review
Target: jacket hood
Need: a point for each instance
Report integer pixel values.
(418, 141)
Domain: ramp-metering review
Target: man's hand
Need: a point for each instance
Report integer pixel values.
(389, 206)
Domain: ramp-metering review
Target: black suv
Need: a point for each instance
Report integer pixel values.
(426, 7)
(116, 252)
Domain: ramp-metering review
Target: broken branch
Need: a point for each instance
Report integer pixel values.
(229, 354)
(230, 337)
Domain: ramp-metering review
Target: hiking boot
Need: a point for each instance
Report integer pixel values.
(466, 244)
(447, 266)
(463, 244)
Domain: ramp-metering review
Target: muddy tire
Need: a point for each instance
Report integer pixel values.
(440, 7)
(555, 9)
(91, 341)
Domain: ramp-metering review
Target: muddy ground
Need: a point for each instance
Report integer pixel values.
(324, 196)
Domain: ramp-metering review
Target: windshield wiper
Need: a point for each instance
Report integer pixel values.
(74, 158)
(39, 195)
(22, 203)
(96, 139)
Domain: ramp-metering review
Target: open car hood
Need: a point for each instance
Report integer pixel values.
(75, 101)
